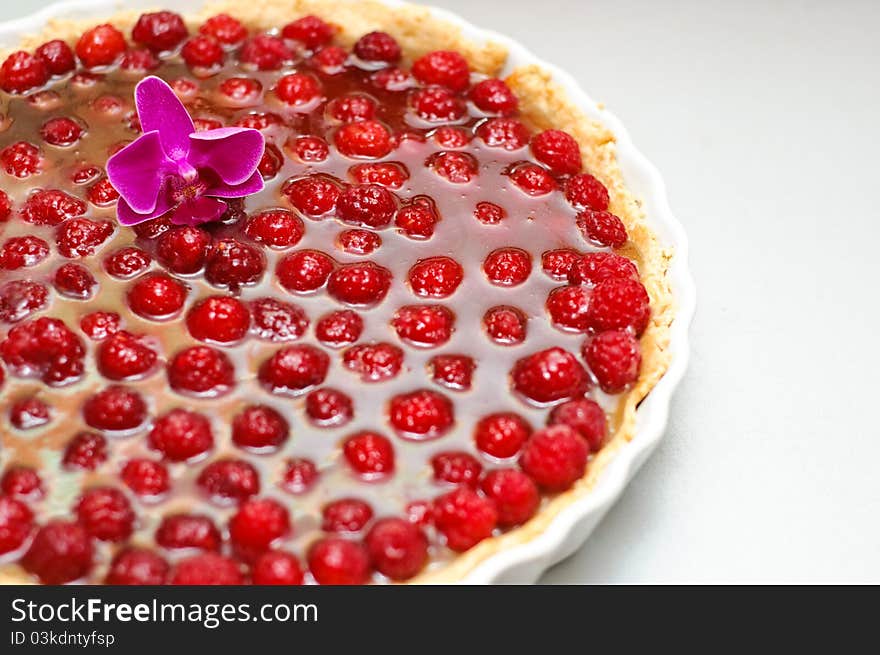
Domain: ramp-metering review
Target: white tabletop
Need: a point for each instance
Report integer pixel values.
(763, 118)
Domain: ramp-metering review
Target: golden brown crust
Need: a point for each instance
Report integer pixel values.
(544, 104)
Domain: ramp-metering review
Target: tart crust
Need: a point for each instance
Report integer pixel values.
(543, 104)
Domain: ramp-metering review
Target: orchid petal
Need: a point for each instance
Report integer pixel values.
(137, 171)
(200, 210)
(232, 152)
(128, 216)
(250, 186)
(160, 109)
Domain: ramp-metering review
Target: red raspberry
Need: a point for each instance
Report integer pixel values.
(594, 267)
(274, 320)
(137, 566)
(259, 428)
(21, 298)
(421, 415)
(330, 59)
(106, 514)
(314, 196)
(336, 561)
(391, 79)
(183, 249)
(74, 281)
(61, 131)
(156, 296)
(363, 139)
(550, 375)
(309, 149)
(139, 61)
(241, 90)
(437, 105)
(489, 213)
(127, 262)
(619, 303)
(602, 228)
(304, 271)
(45, 348)
(85, 174)
(501, 435)
(181, 435)
(5, 206)
(443, 67)
(233, 264)
(451, 137)
(584, 191)
(369, 454)
(100, 46)
(568, 308)
(124, 356)
(277, 567)
(386, 174)
(188, 531)
(294, 369)
(146, 477)
(21, 483)
(25, 251)
(311, 31)
(51, 207)
(60, 552)
(218, 319)
(57, 56)
(424, 326)
(374, 362)
(417, 219)
(557, 263)
(452, 371)
(22, 71)
(265, 52)
(494, 97)
(229, 480)
(464, 518)
(86, 451)
(339, 328)
(258, 121)
(555, 457)
(80, 237)
(100, 325)
(206, 569)
(360, 284)
(435, 277)
(514, 494)
(456, 467)
(202, 52)
(298, 89)
(226, 29)
(270, 162)
(22, 160)
(160, 31)
(329, 407)
(278, 228)
(366, 204)
(507, 133)
(258, 523)
(29, 413)
(615, 359)
(397, 548)
(358, 242)
(507, 267)
(558, 151)
(378, 47)
(153, 228)
(346, 515)
(420, 512)
(16, 524)
(201, 371)
(115, 409)
(299, 475)
(455, 167)
(585, 416)
(505, 325)
(532, 179)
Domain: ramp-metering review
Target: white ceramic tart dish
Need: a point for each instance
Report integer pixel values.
(548, 99)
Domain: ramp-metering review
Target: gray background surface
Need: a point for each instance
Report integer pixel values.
(763, 119)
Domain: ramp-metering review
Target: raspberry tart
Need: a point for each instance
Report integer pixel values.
(305, 293)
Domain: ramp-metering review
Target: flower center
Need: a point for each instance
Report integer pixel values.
(185, 189)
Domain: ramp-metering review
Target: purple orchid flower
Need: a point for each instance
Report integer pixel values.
(173, 167)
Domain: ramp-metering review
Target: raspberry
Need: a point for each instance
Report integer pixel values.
(256, 525)
(51, 207)
(100, 46)
(602, 228)
(21, 298)
(61, 131)
(140, 60)
(5, 206)
(21, 483)
(29, 413)
(201, 371)
(532, 179)
(311, 31)
(22, 71)
(374, 362)
(226, 29)
(181, 435)
(60, 552)
(270, 162)
(568, 308)
(99, 325)
(397, 548)
(115, 409)
(451, 137)
(330, 59)
(22, 160)
(202, 52)
(358, 242)
(507, 267)
(550, 375)
(378, 47)
(160, 31)
(489, 213)
(127, 262)
(45, 348)
(507, 133)
(259, 428)
(80, 237)
(366, 204)
(585, 416)
(258, 121)
(25, 251)
(314, 196)
(229, 480)
(452, 371)
(514, 494)
(558, 151)
(304, 271)
(137, 566)
(146, 477)
(420, 512)
(188, 531)
(421, 415)
(557, 263)
(86, 451)
(278, 228)
(456, 467)
(555, 457)
(364, 139)
(390, 175)
(16, 524)
(277, 567)
(360, 284)
(505, 325)
(615, 359)
(153, 228)
(294, 369)
(206, 569)
(85, 174)
(265, 52)
(156, 296)
(310, 149)
(501, 435)
(619, 303)
(218, 319)
(435, 277)
(124, 356)
(298, 89)
(336, 561)
(57, 57)
(424, 326)
(233, 264)
(594, 267)
(369, 454)
(183, 249)
(417, 219)
(274, 320)
(299, 475)
(464, 518)
(437, 105)
(329, 407)
(443, 67)
(346, 515)
(106, 514)
(494, 97)
(74, 281)
(584, 191)
(455, 167)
